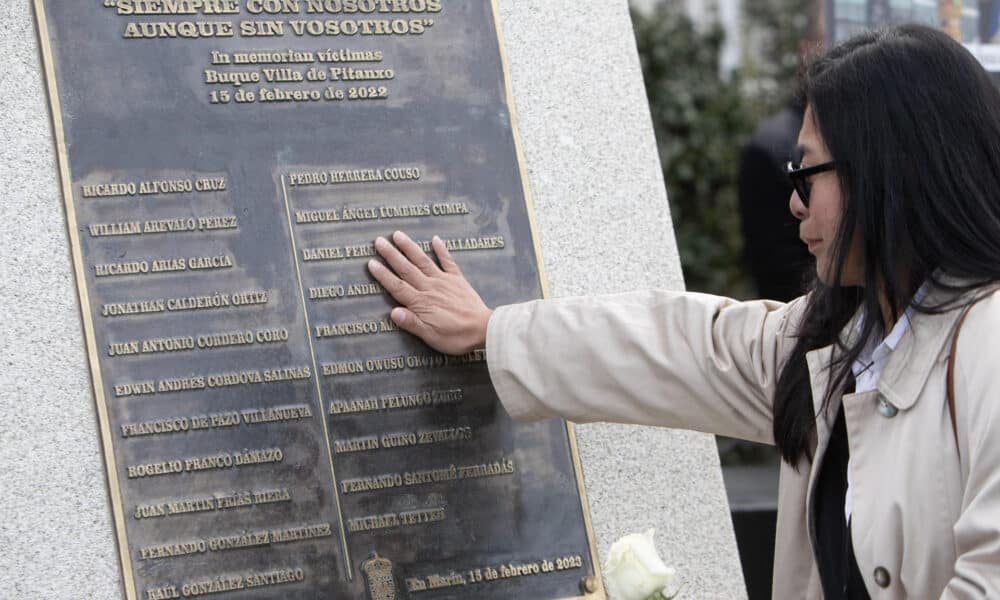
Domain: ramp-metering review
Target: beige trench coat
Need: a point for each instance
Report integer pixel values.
(922, 515)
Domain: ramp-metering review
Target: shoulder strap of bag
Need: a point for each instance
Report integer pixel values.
(951, 371)
(951, 361)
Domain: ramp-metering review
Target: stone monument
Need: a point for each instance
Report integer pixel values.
(603, 225)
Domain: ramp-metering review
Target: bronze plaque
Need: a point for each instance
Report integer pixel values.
(226, 166)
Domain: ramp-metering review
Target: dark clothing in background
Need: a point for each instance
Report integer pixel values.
(989, 21)
(777, 258)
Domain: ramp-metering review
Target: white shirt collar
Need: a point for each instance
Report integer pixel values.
(876, 353)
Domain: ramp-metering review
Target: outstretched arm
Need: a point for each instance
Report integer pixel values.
(662, 358)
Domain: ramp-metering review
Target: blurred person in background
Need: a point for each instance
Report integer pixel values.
(777, 258)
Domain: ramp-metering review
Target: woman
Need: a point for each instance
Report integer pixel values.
(882, 493)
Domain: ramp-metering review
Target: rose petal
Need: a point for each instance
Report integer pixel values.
(634, 570)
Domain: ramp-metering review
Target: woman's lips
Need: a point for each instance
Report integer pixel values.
(813, 245)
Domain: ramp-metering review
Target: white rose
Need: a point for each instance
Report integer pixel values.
(634, 571)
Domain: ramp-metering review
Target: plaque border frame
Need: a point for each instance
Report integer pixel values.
(97, 381)
(79, 275)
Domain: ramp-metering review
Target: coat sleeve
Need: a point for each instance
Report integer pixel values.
(671, 359)
(977, 415)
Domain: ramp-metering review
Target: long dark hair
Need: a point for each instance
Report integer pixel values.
(913, 123)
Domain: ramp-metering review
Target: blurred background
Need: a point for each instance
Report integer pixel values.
(721, 78)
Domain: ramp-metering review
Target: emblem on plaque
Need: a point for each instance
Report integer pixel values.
(378, 575)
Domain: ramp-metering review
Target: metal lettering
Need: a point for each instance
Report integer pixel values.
(259, 147)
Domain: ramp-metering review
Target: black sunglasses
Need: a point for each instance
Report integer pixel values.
(799, 176)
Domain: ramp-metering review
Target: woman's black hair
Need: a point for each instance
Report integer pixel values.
(913, 123)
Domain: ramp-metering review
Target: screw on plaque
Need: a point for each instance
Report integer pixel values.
(589, 584)
(378, 575)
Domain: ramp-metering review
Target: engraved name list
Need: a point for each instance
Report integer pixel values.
(268, 431)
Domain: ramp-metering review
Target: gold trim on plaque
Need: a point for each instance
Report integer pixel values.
(319, 390)
(600, 594)
(55, 108)
(114, 489)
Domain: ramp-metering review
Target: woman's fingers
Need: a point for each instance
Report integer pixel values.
(415, 253)
(444, 256)
(397, 288)
(439, 307)
(399, 263)
(409, 322)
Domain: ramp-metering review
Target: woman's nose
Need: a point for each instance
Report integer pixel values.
(798, 208)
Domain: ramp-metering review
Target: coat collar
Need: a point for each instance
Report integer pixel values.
(910, 364)
(900, 384)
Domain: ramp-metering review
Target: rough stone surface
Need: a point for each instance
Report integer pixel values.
(604, 226)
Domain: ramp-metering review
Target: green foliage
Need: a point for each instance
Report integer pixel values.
(701, 121)
(776, 29)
